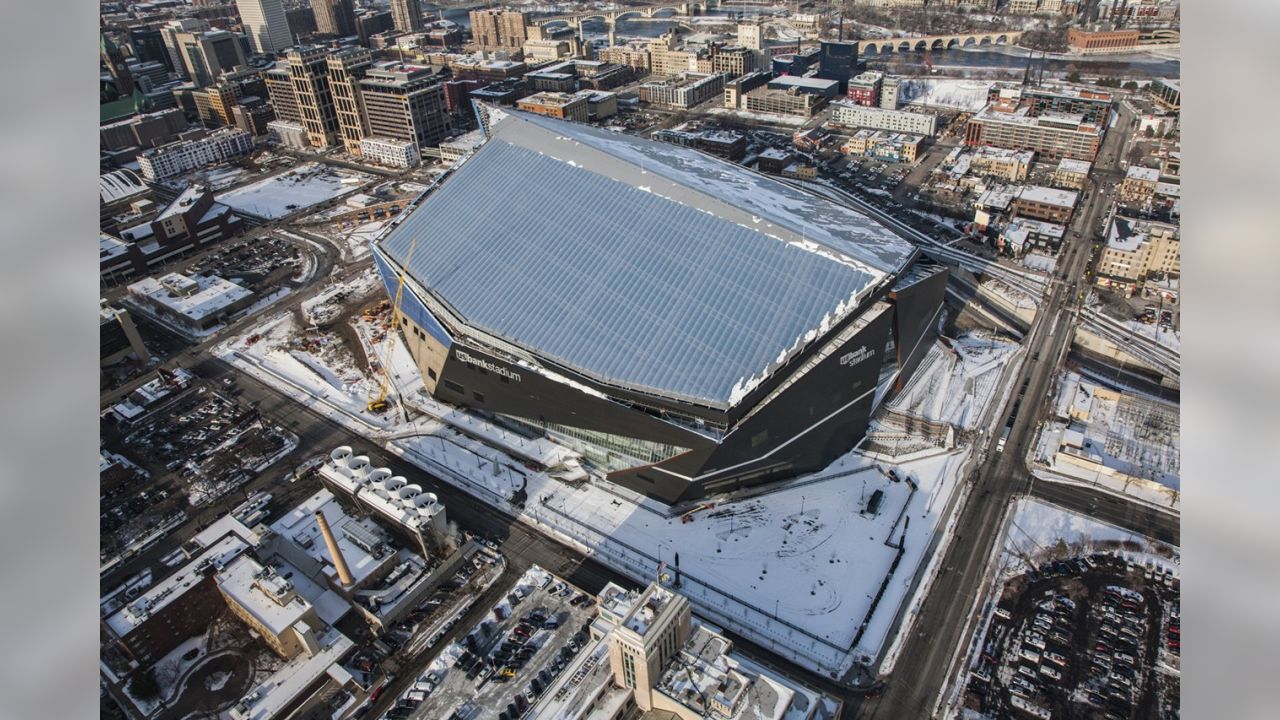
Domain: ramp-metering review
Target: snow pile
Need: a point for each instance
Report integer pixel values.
(294, 190)
(957, 93)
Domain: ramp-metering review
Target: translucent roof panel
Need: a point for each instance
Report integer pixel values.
(633, 284)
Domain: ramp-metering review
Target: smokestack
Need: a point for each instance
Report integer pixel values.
(339, 562)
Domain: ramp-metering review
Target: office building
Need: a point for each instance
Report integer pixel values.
(1042, 203)
(118, 338)
(1167, 93)
(207, 55)
(889, 93)
(792, 101)
(142, 131)
(302, 21)
(865, 89)
(190, 304)
(253, 114)
(1139, 184)
(721, 143)
(559, 105)
(884, 145)
(148, 46)
(499, 29)
(735, 89)
(113, 59)
(646, 639)
(405, 102)
(335, 17)
(683, 92)
(791, 386)
(266, 25)
(309, 79)
(851, 115)
(169, 34)
(406, 15)
(838, 61)
(279, 83)
(346, 68)
(369, 24)
(181, 156)
(1095, 41)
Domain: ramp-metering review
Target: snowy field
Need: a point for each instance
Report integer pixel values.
(955, 93)
(329, 303)
(294, 190)
(956, 380)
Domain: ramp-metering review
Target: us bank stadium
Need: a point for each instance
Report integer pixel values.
(689, 325)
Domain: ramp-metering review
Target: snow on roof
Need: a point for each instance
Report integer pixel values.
(208, 294)
(1074, 166)
(1128, 234)
(805, 82)
(299, 525)
(184, 200)
(719, 271)
(1048, 196)
(267, 699)
(264, 593)
(1147, 174)
(708, 679)
(118, 185)
(161, 594)
(1038, 227)
(391, 495)
(997, 197)
(110, 248)
(1167, 188)
(138, 232)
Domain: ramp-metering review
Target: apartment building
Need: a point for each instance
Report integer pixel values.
(309, 78)
(1008, 165)
(683, 92)
(499, 29)
(851, 115)
(406, 15)
(1139, 185)
(181, 156)
(1052, 135)
(346, 68)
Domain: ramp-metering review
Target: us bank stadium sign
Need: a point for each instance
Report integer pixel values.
(853, 358)
(469, 359)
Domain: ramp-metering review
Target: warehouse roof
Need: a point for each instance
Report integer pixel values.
(638, 263)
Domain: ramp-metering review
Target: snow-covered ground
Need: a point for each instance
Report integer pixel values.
(293, 190)
(1169, 338)
(329, 303)
(957, 93)
(956, 380)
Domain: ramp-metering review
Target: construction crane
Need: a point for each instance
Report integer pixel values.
(378, 403)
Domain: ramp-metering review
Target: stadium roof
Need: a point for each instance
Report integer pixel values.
(639, 263)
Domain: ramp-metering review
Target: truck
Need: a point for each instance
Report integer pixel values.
(1004, 437)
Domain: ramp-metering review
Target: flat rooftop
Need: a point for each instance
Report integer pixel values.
(641, 264)
(259, 589)
(1049, 196)
(1075, 166)
(139, 610)
(211, 294)
(300, 526)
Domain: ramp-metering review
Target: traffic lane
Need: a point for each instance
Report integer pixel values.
(1112, 509)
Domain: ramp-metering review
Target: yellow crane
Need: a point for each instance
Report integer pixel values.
(378, 403)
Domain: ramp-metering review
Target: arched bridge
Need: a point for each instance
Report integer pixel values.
(884, 46)
(684, 9)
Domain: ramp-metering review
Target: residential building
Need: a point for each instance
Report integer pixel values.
(1022, 7)
(851, 115)
(1051, 135)
(1137, 249)
(181, 156)
(406, 15)
(884, 145)
(683, 92)
(390, 152)
(335, 17)
(633, 55)
(405, 102)
(865, 88)
(751, 35)
(730, 60)
(308, 67)
(1092, 105)
(346, 68)
(545, 50)
(499, 29)
(557, 105)
(889, 93)
(266, 25)
(215, 105)
(1071, 174)
(600, 75)
(1042, 203)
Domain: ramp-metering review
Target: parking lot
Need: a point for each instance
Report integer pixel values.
(1091, 636)
(258, 263)
(507, 660)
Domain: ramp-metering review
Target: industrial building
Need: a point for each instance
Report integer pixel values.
(675, 377)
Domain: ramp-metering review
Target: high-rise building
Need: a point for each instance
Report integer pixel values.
(169, 33)
(279, 84)
(407, 15)
(302, 21)
(346, 68)
(334, 17)
(646, 639)
(405, 102)
(266, 25)
(148, 46)
(372, 23)
(309, 76)
(114, 60)
(499, 29)
(838, 61)
(207, 55)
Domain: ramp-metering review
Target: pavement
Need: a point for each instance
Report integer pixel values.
(944, 624)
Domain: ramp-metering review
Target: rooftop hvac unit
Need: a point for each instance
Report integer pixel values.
(359, 466)
(340, 455)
